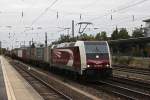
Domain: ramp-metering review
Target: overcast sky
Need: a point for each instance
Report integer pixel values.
(16, 26)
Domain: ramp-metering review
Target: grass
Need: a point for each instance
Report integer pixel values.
(131, 61)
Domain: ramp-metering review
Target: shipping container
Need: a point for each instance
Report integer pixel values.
(32, 53)
(46, 54)
(24, 53)
(40, 53)
(19, 53)
(28, 53)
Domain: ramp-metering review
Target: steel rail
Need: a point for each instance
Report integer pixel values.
(132, 70)
(43, 82)
(122, 91)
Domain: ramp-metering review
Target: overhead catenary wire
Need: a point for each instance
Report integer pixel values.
(52, 4)
(132, 5)
(120, 9)
(129, 7)
(127, 21)
(133, 16)
(113, 11)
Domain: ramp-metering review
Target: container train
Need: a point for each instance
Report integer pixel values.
(81, 58)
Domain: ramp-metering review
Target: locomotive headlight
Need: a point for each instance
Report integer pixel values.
(107, 65)
(97, 56)
(88, 66)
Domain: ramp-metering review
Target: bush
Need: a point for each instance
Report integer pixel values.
(116, 60)
(129, 60)
(149, 66)
(122, 61)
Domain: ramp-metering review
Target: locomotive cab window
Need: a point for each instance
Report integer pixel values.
(96, 50)
(92, 48)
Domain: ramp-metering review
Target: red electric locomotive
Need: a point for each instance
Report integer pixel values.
(85, 58)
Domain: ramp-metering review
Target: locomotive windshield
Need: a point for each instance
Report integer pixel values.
(96, 47)
(96, 50)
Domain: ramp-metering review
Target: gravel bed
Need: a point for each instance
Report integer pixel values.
(141, 77)
(101, 94)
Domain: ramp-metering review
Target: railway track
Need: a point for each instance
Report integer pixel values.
(131, 70)
(132, 82)
(128, 89)
(44, 89)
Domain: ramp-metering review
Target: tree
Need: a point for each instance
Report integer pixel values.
(86, 37)
(91, 37)
(98, 36)
(138, 33)
(115, 34)
(103, 35)
(64, 38)
(123, 34)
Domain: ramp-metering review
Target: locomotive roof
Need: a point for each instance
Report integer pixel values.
(67, 44)
(71, 44)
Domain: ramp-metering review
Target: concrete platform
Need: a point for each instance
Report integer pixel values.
(15, 87)
(3, 93)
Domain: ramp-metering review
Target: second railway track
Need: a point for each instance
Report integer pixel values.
(128, 89)
(124, 88)
(132, 70)
(132, 82)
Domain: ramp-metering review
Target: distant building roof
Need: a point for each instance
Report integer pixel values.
(130, 40)
(147, 20)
